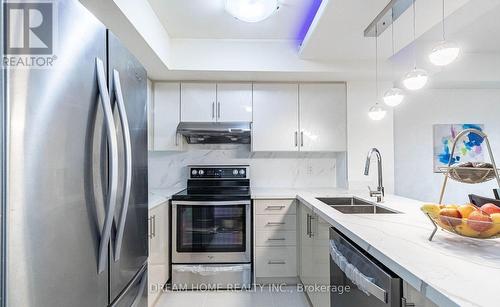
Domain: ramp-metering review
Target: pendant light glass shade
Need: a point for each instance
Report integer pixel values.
(394, 97)
(377, 112)
(444, 53)
(251, 10)
(415, 79)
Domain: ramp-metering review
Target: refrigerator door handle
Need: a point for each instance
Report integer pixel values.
(128, 162)
(113, 166)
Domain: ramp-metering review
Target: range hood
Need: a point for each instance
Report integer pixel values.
(215, 133)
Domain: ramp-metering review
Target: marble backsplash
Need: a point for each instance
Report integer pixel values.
(267, 169)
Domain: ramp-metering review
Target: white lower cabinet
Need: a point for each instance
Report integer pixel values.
(305, 246)
(275, 240)
(276, 261)
(314, 256)
(158, 272)
(413, 296)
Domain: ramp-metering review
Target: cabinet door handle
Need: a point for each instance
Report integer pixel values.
(296, 138)
(274, 207)
(301, 138)
(275, 223)
(311, 232)
(153, 226)
(276, 262)
(213, 109)
(404, 303)
(276, 239)
(218, 109)
(150, 219)
(308, 226)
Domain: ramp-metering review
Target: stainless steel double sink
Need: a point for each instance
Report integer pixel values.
(353, 205)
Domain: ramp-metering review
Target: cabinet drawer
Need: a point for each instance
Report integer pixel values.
(275, 206)
(275, 222)
(275, 238)
(276, 261)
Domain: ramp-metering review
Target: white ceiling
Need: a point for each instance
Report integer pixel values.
(339, 32)
(207, 19)
(204, 42)
(481, 35)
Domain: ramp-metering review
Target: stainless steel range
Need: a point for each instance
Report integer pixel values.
(211, 229)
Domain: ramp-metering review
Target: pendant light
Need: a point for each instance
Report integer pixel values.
(416, 78)
(394, 96)
(376, 112)
(445, 52)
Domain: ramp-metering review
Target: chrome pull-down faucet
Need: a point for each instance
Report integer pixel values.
(379, 193)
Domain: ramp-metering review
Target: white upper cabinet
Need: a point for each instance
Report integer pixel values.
(198, 102)
(322, 117)
(234, 102)
(166, 116)
(275, 117)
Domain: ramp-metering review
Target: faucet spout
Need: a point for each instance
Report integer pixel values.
(379, 193)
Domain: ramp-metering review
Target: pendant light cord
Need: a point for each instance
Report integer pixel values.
(376, 65)
(414, 34)
(444, 38)
(392, 41)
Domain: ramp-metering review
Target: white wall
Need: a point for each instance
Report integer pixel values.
(364, 133)
(267, 170)
(413, 124)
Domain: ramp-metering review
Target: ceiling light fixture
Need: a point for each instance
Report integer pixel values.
(376, 112)
(251, 10)
(417, 78)
(394, 96)
(446, 51)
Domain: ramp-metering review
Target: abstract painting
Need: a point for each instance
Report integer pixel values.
(469, 148)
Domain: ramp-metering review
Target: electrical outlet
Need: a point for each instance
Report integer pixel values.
(309, 170)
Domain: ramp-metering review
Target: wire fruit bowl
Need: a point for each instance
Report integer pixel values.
(486, 228)
(477, 172)
(477, 225)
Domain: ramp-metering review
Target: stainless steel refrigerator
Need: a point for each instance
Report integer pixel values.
(74, 173)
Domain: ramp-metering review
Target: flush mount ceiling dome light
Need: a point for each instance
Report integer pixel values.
(251, 10)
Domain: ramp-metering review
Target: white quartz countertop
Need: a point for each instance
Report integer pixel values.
(450, 270)
(157, 197)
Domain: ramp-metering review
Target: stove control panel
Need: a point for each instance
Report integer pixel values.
(219, 172)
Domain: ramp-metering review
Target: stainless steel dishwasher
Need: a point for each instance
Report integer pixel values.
(357, 280)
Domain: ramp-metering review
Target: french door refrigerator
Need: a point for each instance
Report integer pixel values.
(74, 173)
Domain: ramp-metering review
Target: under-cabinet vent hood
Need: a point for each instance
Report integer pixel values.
(215, 133)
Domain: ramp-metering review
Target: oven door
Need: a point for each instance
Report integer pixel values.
(211, 232)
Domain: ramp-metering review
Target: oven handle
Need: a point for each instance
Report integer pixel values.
(363, 282)
(212, 203)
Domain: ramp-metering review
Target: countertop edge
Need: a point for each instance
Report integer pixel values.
(435, 295)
